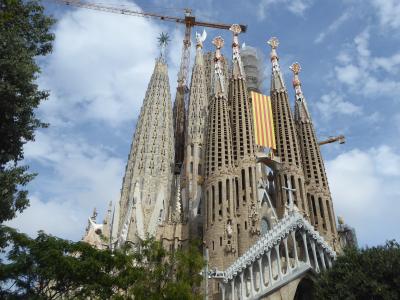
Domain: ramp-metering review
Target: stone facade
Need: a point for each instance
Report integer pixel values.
(195, 147)
(220, 233)
(290, 173)
(197, 173)
(146, 189)
(319, 198)
(247, 206)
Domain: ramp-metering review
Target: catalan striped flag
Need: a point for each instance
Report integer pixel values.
(263, 122)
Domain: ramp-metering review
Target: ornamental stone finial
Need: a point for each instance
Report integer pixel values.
(296, 68)
(218, 42)
(273, 42)
(236, 29)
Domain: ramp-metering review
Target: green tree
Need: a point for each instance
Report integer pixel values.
(371, 273)
(51, 268)
(160, 274)
(24, 36)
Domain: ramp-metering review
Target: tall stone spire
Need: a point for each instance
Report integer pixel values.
(220, 233)
(146, 187)
(195, 142)
(243, 151)
(287, 146)
(317, 190)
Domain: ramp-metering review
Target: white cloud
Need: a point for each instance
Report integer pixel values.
(388, 12)
(333, 27)
(61, 219)
(297, 7)
(364, 73)
(349, 74)
(332, 104)
(76, 177)
(389, 64)
(100, 66)
(365, 191)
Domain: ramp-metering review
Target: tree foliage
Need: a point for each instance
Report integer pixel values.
(24, 36)
(371, 273)
(51, 268)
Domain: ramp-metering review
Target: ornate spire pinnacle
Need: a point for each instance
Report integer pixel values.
(296, 68)
(219, 83)
(237, 69)
(277, 82)
(301, 110)
(163, 41)
(274, 43)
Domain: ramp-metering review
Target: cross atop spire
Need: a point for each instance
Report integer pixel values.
(237, 66)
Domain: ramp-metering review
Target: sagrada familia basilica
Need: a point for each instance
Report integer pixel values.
(233, 168)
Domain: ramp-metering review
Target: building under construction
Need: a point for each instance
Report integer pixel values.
(240, 170)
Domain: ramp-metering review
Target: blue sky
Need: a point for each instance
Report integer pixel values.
(101, 64)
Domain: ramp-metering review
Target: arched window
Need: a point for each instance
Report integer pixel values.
(264, 226)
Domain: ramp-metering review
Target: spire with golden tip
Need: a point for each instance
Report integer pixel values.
(301, 110)
(277, 82)
(320, 208)
(219, 223)
(237, 66)
(243, 150)
(287, 144)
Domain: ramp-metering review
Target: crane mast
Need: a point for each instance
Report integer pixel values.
(179, 109)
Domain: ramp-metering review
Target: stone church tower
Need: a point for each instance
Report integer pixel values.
(195, 145)
(290, 174)
(247, 206)
(146, 188)
(319, 198)
(220, 233)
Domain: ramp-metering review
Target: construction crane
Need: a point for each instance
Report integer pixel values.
(182, 89)
(340, 138)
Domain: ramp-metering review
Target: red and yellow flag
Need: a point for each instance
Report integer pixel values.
(263, 122)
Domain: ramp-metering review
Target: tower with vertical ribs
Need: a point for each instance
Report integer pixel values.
(195, 143)
(146, 189)
(319, 198)
(220, 231)
(290, 173)
(247, 205)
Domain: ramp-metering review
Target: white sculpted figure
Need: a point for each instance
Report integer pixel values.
(200, 38)
(229, 230)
